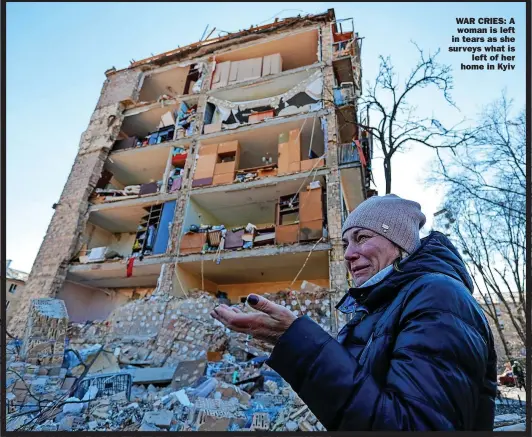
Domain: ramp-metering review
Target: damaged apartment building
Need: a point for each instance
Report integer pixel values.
(225, 166)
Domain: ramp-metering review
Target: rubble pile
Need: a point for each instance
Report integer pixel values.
(162, 364)
(194, 401)
(159, 363)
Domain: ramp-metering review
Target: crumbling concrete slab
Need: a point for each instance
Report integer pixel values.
(105, 362)
(152, 375)
(162, 418)
(187, 373)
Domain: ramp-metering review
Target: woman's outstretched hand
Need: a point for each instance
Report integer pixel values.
(268, 324)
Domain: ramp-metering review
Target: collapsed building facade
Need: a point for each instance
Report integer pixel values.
(227, 166)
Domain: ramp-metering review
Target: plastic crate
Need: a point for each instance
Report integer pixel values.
(108, 384)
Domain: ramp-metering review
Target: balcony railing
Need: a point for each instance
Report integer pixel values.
(348, 153)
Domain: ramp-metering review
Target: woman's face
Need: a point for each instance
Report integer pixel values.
(367, 253)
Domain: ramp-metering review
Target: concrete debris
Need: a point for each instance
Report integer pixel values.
(175, 387)
(45, 332)
(148, 427)
(291, 426)
(161, 419)
(73, 406)
(506, 418)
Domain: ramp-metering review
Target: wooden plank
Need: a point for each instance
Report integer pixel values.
(205, 167)
(208, 149)
(287, 234)
(310, 205)
(284, 158)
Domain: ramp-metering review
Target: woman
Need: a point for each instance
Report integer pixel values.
(417, 354)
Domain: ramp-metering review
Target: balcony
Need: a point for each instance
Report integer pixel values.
(355, 173)
(271, 149)
(348, 154)
(269, 58)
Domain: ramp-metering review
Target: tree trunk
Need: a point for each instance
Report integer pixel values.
(388, 174)
(503, 340)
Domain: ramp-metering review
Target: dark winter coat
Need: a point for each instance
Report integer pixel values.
(417, 355)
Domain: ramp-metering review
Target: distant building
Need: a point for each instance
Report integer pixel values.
(15, 282)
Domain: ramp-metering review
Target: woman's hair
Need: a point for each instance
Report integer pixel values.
(402, 255)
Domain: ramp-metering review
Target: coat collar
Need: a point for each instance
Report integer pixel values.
(356, 296)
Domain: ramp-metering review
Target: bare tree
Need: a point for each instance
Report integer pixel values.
(398, 126)
(485, 201)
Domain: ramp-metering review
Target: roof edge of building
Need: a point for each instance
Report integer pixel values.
(171, 55)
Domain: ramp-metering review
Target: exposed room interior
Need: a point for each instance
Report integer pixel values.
(163, 123)
(234, 208)
(283, 212)
(137, 167)
(174, 82)
(239, 276)
(142, 124)
(119, 232)
(267, 88)
(267, 150)
(113, 275)
(296, 50)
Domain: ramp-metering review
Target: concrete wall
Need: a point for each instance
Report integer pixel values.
(337, 270)
(197, 215)
(95, 236)
(84, 303)
(62, 238)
